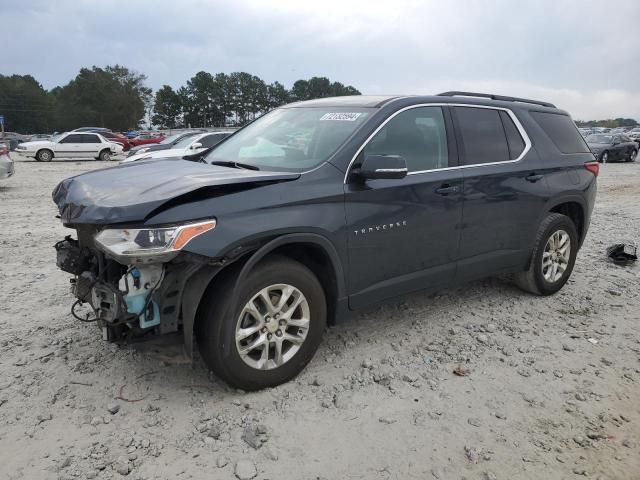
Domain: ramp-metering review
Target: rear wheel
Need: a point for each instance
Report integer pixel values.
(44, 155)
(604, 157)
(105, 156)
(553, 257)
(633, 155)
(271, 332)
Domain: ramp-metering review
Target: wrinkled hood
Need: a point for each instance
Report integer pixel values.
(130, 192)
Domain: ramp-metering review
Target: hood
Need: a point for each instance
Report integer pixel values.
(157, 154)
(131, 192)
(37, 144)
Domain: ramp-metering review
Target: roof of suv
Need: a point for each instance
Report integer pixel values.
(377, 101)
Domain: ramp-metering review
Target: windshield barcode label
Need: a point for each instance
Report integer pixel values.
(345, 116)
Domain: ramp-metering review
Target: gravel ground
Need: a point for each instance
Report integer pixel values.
(548, 387)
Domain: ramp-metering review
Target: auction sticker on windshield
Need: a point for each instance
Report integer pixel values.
(343, 116)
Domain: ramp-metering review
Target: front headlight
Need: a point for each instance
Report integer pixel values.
(148, 245)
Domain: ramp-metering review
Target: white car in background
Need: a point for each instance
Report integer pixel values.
(70, 145)
(187, 146)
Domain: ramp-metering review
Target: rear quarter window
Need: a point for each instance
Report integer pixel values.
(562, 132)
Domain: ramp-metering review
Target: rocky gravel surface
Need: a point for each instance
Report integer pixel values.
(478, 382)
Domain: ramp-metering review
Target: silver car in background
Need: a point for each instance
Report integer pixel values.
(6, 164)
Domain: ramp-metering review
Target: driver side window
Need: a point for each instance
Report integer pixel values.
(418, 135)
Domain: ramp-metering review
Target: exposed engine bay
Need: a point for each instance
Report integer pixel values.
(127, 301)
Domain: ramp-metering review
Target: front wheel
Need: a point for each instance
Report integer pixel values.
(633, 155)
(270, 333)
(44, 156)
(553, 257)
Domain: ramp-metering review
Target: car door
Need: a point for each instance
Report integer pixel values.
(505, 190)
(91, 145)
(69, 146)
(403, 233)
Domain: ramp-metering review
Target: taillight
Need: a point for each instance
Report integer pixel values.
(4, 150)
(593, 167)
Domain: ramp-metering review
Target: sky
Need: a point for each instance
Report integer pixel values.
(584, 56)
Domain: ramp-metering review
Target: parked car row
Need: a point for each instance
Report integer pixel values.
(613, 148)
(187, 145)
(70, 145)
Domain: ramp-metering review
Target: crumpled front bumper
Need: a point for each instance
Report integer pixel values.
(126, 310)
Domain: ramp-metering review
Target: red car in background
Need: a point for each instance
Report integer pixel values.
(118, 138)
(145, 139)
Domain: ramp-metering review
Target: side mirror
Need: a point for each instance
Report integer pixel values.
(195, 146)
(382, 167)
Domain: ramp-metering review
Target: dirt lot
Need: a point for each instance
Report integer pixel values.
(552, 387)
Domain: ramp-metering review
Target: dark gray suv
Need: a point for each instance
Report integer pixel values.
(320, 209)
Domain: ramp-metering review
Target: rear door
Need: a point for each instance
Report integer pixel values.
(403, 234)
(504, 190)
(91, 145)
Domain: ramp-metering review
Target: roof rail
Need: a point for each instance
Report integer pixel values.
(495, 97)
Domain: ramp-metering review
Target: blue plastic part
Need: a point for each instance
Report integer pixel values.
(135, 304)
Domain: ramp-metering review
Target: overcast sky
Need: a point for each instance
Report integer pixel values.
(582, 55)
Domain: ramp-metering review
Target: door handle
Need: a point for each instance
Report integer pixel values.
(533, 177)
(446, 189)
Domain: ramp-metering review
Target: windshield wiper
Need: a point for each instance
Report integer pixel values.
(227, 163)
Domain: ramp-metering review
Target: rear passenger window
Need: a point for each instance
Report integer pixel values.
(483, 135)
(562, 132)
(514, 139)
(90, 139)
(418, 135)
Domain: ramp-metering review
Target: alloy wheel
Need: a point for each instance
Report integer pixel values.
(272, 326)
(556, 255)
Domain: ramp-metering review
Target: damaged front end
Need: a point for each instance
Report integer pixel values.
(132, 278)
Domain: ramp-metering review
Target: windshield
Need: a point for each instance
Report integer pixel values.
(170, 139)
(599, 139)
(291, 139)
(57, 137)
(185, 142)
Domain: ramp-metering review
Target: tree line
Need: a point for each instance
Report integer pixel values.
(610, 123)
(118, 98)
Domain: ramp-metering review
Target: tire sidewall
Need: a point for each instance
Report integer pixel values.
(562, 223)
(105, 156)
(39, 155)
(221, 337)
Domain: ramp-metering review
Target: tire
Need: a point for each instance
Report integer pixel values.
(534, 280)
(633, 155)
(219, 318)
(604, 157)
(105, 156)
(44, 155)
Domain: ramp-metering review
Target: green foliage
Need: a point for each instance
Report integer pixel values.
(167, 108)
(112, 97)
(26, 106)
(240, 97)
(117, 98)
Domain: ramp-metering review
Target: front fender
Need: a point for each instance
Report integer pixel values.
(197, 285)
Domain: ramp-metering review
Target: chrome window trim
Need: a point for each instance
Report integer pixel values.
(516, 121)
